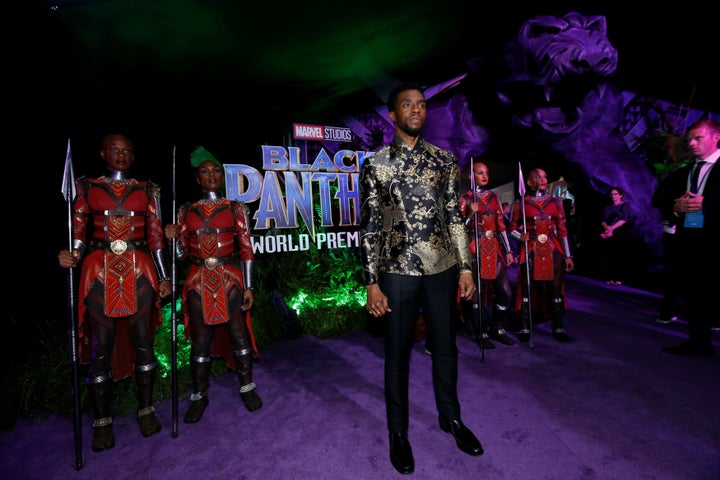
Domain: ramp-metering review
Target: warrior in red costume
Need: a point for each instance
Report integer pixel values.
(218, 292)
(118, 237)
(546, 240)
(486, 224)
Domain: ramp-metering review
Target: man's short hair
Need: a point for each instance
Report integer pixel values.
(401, 87)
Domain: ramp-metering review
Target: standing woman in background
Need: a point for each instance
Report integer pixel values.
(616, 221)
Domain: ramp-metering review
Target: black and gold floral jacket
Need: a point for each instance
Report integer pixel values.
(410, 220)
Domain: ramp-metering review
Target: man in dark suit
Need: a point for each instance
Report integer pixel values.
(692, 194)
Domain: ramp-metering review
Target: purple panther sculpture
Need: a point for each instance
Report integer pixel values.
(544, 98)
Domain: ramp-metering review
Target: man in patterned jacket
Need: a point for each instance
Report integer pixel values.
(415, 254)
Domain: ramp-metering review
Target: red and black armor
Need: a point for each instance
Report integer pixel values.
(214, 234)
(547, 248)
(118, 230)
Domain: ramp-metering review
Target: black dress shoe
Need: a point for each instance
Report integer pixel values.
(465, 439)
(401, 455)
(689, 348)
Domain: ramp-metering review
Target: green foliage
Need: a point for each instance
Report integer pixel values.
(329, 321)
(44, 384)
(268, 324)
(665, 152)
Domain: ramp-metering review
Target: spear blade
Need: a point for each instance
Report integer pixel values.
(68, 181)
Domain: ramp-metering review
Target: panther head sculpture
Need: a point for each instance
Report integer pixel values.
(549, 71)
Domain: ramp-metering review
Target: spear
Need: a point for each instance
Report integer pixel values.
(521, 190)
(68, 191)
(477, 312)
(173, 359)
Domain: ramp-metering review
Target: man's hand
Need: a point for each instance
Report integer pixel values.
(172, 230)
(377, 302)
(689, 202)
(164, 288)
(68, 259)
(466, 284)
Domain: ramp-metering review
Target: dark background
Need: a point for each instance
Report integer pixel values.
(235, 74)
(232, 75)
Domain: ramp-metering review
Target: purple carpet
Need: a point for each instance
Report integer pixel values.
(609, 405)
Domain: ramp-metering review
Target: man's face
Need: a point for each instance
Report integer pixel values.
(410, 112)
(702, 141)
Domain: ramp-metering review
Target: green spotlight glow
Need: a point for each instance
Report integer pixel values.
(163, 341)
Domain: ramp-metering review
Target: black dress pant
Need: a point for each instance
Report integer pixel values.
(698, 279)
(437, 296)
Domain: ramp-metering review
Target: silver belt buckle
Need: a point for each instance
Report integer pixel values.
(542, 238)
(211, 262)
(489, 234)
(118, 247)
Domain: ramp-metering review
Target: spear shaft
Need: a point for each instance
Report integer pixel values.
(173, 317)
(68, 190)
(477, 312)
(531, 342)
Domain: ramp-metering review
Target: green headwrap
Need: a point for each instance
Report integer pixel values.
(200, 155)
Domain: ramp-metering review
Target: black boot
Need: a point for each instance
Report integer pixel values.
(497, 332)
(200, 371)
(524, 332)
(248, 395)
(100, 397)
(475, 327)
(558, 331)
(145, 382)
(486, 343)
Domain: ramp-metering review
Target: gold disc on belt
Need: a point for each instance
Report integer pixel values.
(489, 234)
(542, 238)
(118, 247)
(211, 262)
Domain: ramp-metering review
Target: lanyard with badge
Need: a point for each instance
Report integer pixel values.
(697, 219)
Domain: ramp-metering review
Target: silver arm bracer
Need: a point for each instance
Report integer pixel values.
(248, 272)
(161, 265)
(566, 247)
(505, 242)
(179, 250)
(80, 246)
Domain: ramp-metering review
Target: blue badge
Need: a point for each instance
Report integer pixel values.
(694, 219)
